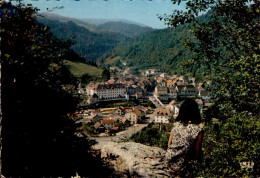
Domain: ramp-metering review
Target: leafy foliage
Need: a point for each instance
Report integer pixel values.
(105, 75)
(227, 47)
(38, 136)
(153, 135)
(229, 145)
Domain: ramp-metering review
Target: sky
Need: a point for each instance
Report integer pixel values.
(141, 11)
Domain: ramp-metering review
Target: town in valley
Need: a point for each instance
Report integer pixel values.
(126, 103)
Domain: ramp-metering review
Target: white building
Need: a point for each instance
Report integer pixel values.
(134, 116)
(107, 91)
(161, 115)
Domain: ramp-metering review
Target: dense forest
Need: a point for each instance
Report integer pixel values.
(160, 49)
(87, 44)
(164, 49)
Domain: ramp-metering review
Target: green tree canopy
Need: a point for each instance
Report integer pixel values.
(227, 48)
(105, 75)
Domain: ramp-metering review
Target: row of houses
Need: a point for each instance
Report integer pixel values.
(110, 118)
(171, 92)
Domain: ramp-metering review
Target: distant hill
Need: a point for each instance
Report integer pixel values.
(91, 41)
(52, 16)
(87, 44)
(129, 30)
(125, 27)
(100, 21)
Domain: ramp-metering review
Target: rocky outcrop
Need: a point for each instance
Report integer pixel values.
(132, 158)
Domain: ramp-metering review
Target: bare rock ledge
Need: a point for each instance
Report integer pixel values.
(136, 159)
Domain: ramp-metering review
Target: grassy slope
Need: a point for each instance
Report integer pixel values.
(79, 68)
(111, 61)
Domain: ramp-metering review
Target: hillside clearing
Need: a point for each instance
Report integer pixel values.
(79, 69)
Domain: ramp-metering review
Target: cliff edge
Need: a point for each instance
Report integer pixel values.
(130, 158)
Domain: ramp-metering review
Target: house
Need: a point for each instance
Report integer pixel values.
(140, 97)
(140, 108)
(191, 90)
(132, 90)
(172, 93)
(171, 84)
(96, 118)
(119, 111)
(114, 117)
(181, 90)
(161, 115)
(126, 122)
(108, 123)
(134, 116)
(161, 92)
(99, 128)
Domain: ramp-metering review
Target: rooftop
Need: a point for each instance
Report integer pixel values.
(162, 112)
(107, 121)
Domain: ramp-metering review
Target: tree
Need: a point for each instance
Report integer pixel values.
(226, 48)
(38, 136)
(105, 75)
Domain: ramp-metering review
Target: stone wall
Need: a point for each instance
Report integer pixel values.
(131, 158)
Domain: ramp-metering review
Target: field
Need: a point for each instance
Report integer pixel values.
(111, 61)
(78, 69)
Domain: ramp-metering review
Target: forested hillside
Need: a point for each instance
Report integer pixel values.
(162, 48)
(87, 44)
(91, 41)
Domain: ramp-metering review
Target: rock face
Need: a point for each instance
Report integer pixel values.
(136, 159)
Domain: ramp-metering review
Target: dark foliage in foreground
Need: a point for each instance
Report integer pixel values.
(38, 137)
